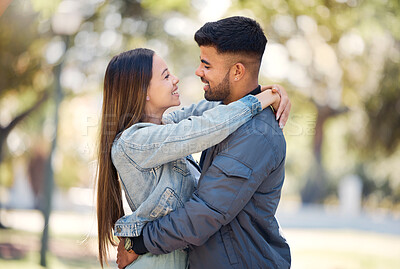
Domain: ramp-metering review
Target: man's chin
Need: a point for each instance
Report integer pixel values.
(210, 97)
(213, 98)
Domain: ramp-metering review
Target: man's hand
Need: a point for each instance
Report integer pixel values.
(124, 257)
(283, 111)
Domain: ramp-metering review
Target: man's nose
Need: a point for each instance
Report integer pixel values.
(199, 72)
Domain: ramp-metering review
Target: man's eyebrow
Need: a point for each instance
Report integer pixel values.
(204, 62)
(166, 69)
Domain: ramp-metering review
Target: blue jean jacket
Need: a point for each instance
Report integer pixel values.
(150, 158)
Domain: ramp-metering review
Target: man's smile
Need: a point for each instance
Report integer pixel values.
(207, 86)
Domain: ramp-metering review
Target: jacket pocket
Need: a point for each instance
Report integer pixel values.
(225, 185)
(232, 167)
(228, 245)
(181, 167)
(168, 202)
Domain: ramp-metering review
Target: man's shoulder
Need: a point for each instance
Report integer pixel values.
(257, 142)
(262, 126)
(262, 132)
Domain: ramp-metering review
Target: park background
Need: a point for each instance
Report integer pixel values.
(339, 61)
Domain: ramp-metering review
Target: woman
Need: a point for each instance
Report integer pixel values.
(148, 154)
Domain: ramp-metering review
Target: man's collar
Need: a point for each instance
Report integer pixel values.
(255, 91)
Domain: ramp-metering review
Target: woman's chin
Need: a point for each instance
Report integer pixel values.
(177, 102)
(174, 104)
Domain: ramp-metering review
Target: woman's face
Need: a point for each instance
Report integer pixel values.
(163, 90)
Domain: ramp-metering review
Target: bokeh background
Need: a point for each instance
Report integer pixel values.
(339, 60)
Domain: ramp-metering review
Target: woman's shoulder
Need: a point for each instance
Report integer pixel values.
(129, 132)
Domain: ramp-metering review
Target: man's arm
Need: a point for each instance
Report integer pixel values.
(225, 189)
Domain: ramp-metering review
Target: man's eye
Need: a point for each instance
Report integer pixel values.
(206, 67)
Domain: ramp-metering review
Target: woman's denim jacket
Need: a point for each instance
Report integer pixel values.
(150, 158)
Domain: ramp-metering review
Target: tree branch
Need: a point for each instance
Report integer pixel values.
(24, 114)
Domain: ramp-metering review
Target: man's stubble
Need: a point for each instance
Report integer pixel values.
(219, 92)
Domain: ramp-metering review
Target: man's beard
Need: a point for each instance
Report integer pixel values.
(219, 92)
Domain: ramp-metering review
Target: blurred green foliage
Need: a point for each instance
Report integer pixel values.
(383, 126)
(340, 65)
(368, 88)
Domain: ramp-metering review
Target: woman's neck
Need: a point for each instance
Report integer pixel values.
(153, 116)
(152, 119)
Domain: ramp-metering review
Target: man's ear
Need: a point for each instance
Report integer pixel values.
(238, 71)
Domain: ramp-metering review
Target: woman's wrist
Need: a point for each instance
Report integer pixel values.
(267, 98)
(277, 100)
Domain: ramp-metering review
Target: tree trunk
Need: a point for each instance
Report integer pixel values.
(49, 179)
(316, 188)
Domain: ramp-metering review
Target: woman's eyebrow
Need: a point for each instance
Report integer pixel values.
(166, 69)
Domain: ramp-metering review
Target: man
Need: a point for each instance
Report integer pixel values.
(230, 220)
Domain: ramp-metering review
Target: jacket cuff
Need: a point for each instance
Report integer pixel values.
(138, 245)
(252, 103)
(126, 230)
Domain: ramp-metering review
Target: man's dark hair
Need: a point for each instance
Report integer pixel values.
(233, 35)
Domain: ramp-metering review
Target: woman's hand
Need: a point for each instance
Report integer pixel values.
(282, 113)
(124, 258)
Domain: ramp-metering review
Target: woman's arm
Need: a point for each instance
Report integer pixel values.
(283, 111)
(192, 110)
(151, 146)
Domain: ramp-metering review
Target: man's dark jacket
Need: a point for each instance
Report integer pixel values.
(230, 220)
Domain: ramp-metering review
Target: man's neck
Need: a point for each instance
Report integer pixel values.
(241, 91)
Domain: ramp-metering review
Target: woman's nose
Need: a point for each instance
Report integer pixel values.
(176, 80)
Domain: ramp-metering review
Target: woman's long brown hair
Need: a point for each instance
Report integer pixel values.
(126, 81)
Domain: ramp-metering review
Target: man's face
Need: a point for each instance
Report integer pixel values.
(214, 72)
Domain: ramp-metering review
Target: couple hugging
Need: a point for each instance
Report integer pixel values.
(216, 214)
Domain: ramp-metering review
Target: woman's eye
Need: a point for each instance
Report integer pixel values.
(206, 67)
(167, 76)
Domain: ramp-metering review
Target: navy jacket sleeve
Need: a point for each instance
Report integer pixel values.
(236, 172)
